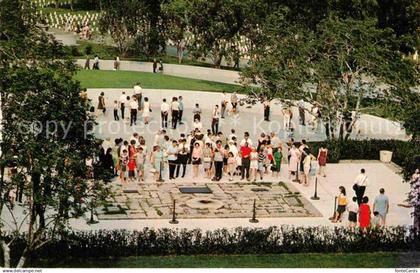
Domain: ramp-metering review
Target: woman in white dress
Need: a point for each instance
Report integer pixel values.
(146, 110)
(294, 160)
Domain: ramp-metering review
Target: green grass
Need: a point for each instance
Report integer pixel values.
(126, 79)
(302, 260)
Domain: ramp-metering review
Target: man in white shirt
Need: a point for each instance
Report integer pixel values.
(122, 100)
(215, 120)
(164, 112)
(138, 94)
(197, 112)
(223, 104)
(172, 152)
(133, 111)
(246, 140)
(360, 184)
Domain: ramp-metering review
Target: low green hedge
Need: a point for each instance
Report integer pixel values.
(405, 153)
(273, 240)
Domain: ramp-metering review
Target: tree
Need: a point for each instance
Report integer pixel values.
(46, 136)
(122, 20)
(215, 28)
(334, 67)
(175, 16)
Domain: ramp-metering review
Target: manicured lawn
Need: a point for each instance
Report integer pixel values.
(302, 260)
(126, 79)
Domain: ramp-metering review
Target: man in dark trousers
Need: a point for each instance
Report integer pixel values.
(360, 184)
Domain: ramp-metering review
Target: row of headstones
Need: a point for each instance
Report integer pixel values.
(66, 20)
(47, 3)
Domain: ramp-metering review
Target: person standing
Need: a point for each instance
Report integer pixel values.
(322, 160)
(360, 184)
(122, 100)
(146, 110)
(181, 109)
(364, 214)
(245, 160)
(96, 63)
(172, 152)
(154, 65)
(218, 161)
(234, 102)
(253, 157)
(266, 105)
(101, 103)
(342, 203)
(116, 117)
(294, 159)
(174, 112)
(353, 209)
(87, 63)
(183, 151)
(307, 167)
(276, 167)
(138, 94)
(215, 120)
(117, 63)
(197, 112)
(301, 108)
(381, 205)
(223, 104)
(164, 113)
(133, 111)
(156, 159)
(196, 155)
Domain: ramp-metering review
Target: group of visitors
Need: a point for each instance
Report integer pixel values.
(213, 154)
(358, 208)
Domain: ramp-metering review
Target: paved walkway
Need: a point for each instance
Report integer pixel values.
(380, 176)
(249, 119)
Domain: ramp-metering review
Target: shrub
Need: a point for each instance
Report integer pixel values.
(405, 153)
(273, 240)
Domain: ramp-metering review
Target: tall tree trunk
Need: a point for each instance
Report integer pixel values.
(6, 254)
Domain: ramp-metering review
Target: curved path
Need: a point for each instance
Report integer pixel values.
(249, 119)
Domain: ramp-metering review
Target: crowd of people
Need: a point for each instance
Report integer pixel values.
(211, 151)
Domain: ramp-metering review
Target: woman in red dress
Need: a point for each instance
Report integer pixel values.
(364, 214)
(322, 160)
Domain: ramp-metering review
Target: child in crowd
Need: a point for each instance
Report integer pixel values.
(140, 160)
(261, 162)
(376, 220)
(353, 209)
(123, 165)
(254, 163)
(231, 166)
(131, 170)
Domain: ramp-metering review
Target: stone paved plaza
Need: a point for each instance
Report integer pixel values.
(226, 200)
